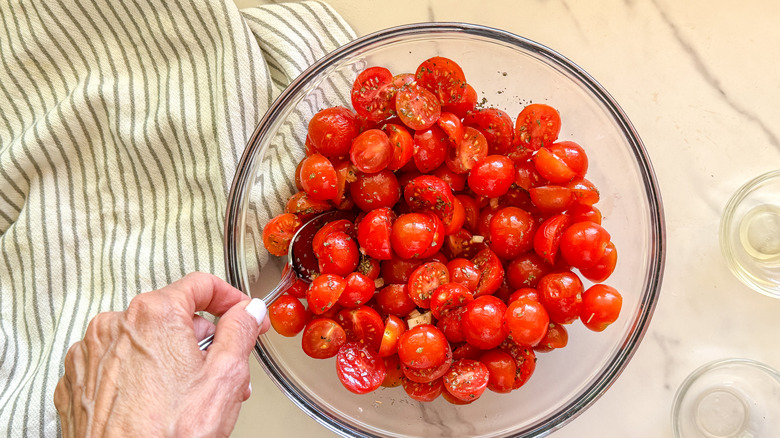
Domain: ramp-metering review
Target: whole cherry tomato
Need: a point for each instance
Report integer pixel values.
(501, 368)
(394, 299)
(583, 244)
(561, 295)
(431, 145)
(492, 176)
(375, 190)
(601, 305)
(511, 232)
(482, 324)
(526, 320)
(526, 270)
(422, 346)
(288, 315)
(338, 254)
(318, 178)
(417, 235)
(331, 131)
(604, 267)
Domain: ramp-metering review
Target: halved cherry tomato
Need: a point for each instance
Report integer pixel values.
(511, 232)
(492, 271)
(358, 291)
(456, 181)
(373, 233)
(375, 190)
(359, 368)
(417, 107)
(372, 93)
(278, 233)
(551, 198)
(417, 235)
(369, 266)
(394, 299)
(603, 267)
(331, 131)
(556, 337)
(470, 148)
(492, 176)
(573, 155)
(343, 225)
(561, 295)
(324, 292)
(402, 144)
(526, 320)
(552, 167)
(338, 254)
(526, 270)
(466, 101)
(443, 77)
(425, 280)
(422, 346)
(465, 272)
(363, 325)
(397, 270)
(601, 306)
(471, 210)
(449, 324)
(495, 125)
(425, 375)
(427, 193)
(581, 213)
(502, 370)
(584, 191)
(463, 243)
(483, 322)
(451, 125)
(466, 379)
(371, 151)
(394, 328)
(423, 392)
(318, 178)
(431, 145)
(322, 338)
(394, 374)
(583, 244)
(449, 297)
(525, 359)
(302, 205)
(537, 125)
(288, 315)
(547, 238)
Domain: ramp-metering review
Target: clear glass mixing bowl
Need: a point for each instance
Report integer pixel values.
(510, 72)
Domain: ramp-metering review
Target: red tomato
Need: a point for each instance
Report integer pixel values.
(338, 254)
(343, 225)
(537, 125)
(471, 210)
(561, 295)
(369, 267)
(573, 155)
(288, 315)
(525, 359)
(431, 145)
(466, 101)
(303, 206)
(375, 190)
(394, 374)
(373, 233)
(468, 351)
(457, 182)
(527, 321)
(452, 399)
(422, 346)
(601, 306)
(443, 77)
(449, 297)
(581, 213)
(492, 272)
(398, 270)
(423, 392)
(551, 198)
(497, 127)
(298, 288)
(372, 93)
(331, 131)
(451, 125)
(526, 175)
(278, 233)
(371, 151)
(363, 325)
(511, 232)
(526, 270)
(426, 375)
(322, 338)
(556, 337)
(427, 193)
(467, 379)
(482, 324)
(346, 173)
(425, 280)
(465, 272)
(583, 244)
(547, 238)
(456, 220)
(604, 267)
(394, 328)
(358, 291)
(501, 368)
(324, 292)
(470, 148)
(359, 368)
(552, 167)
(492, 176)
(417, 107)
(402, 145)
(523, 292)
(462, 243)
(417, 235)
(394, 299)
(318, 178)
(449, 324)
(583, 191)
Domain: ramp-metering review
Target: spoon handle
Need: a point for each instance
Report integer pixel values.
(284, 283)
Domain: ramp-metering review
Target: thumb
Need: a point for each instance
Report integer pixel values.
(238, 329)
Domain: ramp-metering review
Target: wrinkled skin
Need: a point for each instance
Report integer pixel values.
(140, 373)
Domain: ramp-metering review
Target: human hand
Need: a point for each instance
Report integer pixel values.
(140, 372)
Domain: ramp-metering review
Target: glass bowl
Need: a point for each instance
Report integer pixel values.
(509, 72)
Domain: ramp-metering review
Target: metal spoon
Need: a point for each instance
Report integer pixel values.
(300, 256)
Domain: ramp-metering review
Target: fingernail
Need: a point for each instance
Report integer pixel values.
(257, 309)
(250, 389)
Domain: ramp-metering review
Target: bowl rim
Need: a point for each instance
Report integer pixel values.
(235, 267)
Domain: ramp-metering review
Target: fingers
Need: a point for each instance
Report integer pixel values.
(201, 291)
(203, 327)
(238, 329)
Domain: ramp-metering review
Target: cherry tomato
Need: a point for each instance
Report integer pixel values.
(466, 101)
(482, 324)
(343, 225)
(394, 328)
(526, 270)
(425, 280)
(449, 297)
(427, 193)
(417, 235)
(452, 399)
(526, 320)
(363, 325)
(561, 295)
(552, 167)
(375, 190)
(583, 191)
(322, 338)
(537, 125)
(373, 233)
(449, 324)
(338, 254)
(324, 292)
(471, 210)
(583, 244)
(394, 299)
(604, 267)
(331, 131)
(318, 178)
(501, 368)
(372, 93)
(423, 392)
(402, 144)
(581, 213)
(462, 243)
(492, 272)
(369, 266)
(359, 368)
(397, 270)
(492, 176)
(395, 374)
(431, 145)
(358, 291)
(303, 206)
(556, 337)
(298, 288)
(371, 151)
(466, 379)
(525, 359)
(422, 346)
(451, 125)
(547, 238)
(601, 306)
(511, 232)
(457, 182)
(456, 220)
(443, 77)
(495, 125)
(465, 272)
(417, 107)
(278, 233)
(288, 315)
(425, 375)
(467, 351)
(527, 292)
(551, 198)
(470, 148)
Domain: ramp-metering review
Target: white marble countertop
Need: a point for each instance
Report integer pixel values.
(700, 80)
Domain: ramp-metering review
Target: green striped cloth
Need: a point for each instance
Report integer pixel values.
(121, 123)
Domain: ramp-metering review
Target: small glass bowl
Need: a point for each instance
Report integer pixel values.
(728, 398)
(750, 234)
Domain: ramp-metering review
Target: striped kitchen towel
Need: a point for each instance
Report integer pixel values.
(120, 127)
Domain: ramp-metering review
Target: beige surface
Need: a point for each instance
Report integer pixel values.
(699, 80)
